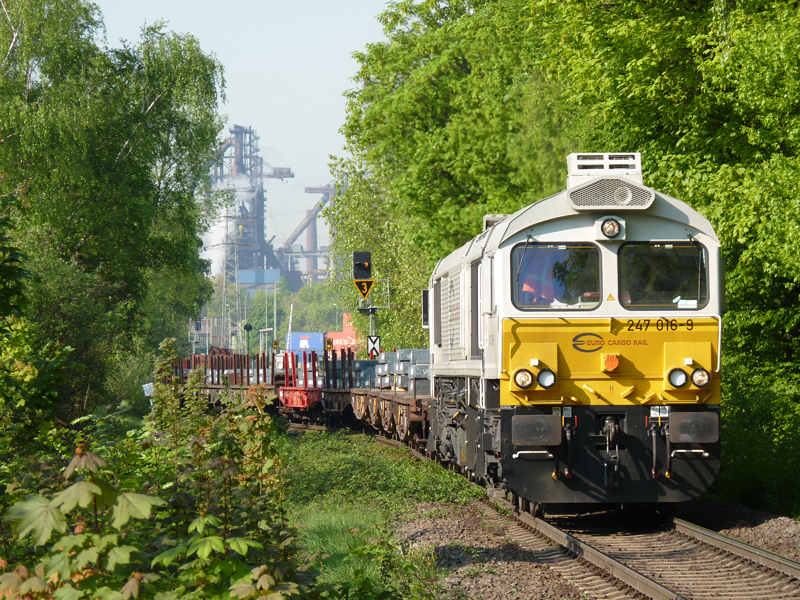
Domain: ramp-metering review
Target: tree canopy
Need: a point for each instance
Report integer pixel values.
(471, 107)
(104, 156)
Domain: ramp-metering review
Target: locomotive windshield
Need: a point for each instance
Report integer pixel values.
(663, 275)
(555, 276)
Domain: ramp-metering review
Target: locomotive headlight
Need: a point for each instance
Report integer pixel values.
(610, 228)
(677, 378)
(546, 378)
(700, 377)
(523, 378)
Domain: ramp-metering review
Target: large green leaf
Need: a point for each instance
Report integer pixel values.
(200, 523)
(87, 556)
(106, 593)
(36, 516)
(9, 583)
(68, 542)
(243, 589)
(108, 494)
(131, 588)
(34, 584)
(67, 592)
(165, 558)
(80, 493)
(133, 506)
(203, 547)
(240, 544)
(120, 555)
(84, 460)
(58, 563)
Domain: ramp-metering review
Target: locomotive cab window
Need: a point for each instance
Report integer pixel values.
(663, 275)
(555, 276)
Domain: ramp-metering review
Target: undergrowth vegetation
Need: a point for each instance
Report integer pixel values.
(188, 506)
(197, 503)
(346, 492)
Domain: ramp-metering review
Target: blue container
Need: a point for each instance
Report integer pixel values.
(361, 365)
(399, 368)
(301, 340)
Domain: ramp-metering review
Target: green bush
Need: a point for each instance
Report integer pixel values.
(191, 509)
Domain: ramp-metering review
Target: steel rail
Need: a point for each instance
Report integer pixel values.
(623, 573)
(756, 555)
(630, 577)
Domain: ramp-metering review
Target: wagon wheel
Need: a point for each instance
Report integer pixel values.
(378, 410)
(386, 417)
(392, 419)
(415, 433)
(372, 409)
(359, 407)
(402, 422)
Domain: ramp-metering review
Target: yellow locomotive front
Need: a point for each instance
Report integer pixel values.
(599, 346)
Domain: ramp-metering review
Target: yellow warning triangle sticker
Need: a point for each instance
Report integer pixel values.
(364, 286)
(611, 296)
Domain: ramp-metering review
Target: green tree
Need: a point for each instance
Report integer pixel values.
(106, 153)
(451, 119)
(360, 208)
(707, 91)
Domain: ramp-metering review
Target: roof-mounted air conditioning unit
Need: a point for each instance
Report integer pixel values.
(582, 167)
(606, 181)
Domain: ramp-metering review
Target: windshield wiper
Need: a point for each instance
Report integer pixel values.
(524, 250)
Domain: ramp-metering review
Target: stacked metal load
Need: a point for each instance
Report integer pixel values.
(365, 372)
(385, 370)
(419, 374)
(400, 370)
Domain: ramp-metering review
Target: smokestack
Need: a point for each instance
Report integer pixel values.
(311, 246)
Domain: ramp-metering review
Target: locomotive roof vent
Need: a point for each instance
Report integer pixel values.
(607, 181)
(491, 220)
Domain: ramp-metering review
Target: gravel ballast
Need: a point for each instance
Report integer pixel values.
(481, 562)
(773, 533)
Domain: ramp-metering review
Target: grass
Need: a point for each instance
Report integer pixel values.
(335, 537)
(346, 493)
(347, 470)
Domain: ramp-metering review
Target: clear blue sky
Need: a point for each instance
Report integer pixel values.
(287, 65)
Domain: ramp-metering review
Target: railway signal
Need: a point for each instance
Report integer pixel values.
(362, 265)
(362, 273)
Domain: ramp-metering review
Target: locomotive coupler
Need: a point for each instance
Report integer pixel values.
(611, 464)
(653, 432)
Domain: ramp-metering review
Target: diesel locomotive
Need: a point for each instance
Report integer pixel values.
(575, 345)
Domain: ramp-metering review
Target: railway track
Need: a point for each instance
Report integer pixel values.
(611, 558)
